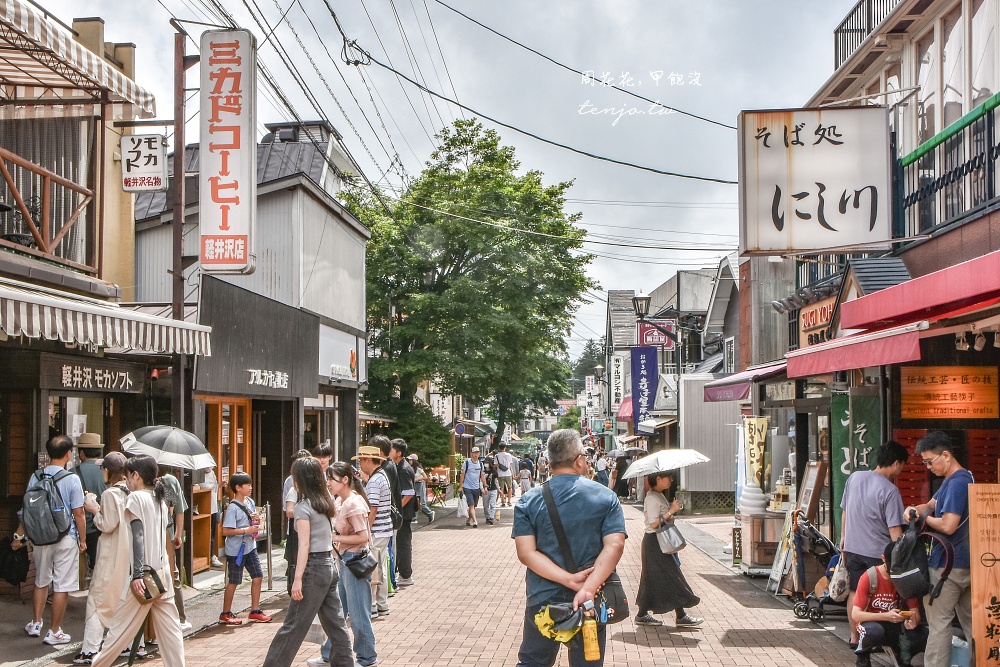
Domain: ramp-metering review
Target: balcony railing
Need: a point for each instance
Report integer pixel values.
(860, 22)
(953, 173)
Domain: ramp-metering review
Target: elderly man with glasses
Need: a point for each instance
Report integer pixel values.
(595, 529)
(949, 515)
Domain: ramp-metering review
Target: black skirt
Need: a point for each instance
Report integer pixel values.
(662, 587)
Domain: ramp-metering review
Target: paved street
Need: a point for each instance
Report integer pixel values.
(467, 605)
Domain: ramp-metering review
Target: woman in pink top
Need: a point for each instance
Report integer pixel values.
(352, 536)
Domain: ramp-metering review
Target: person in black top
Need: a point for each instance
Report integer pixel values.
(492, 489)
(404, 538)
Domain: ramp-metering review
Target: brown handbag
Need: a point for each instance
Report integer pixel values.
(153, 580)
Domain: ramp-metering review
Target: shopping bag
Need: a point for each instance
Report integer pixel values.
(463, 507)
(316, 634)
(839, 582)
(670, 539)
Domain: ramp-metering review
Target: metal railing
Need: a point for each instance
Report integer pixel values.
(855, 28)
(953, 173)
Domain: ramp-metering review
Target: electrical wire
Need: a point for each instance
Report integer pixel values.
(367, 59)
(444, 61)
(576, 71)
(414, 63)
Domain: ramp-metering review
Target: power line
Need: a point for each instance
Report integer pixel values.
(576, 71)
(655, 204)
(444, 61)
(367, 59)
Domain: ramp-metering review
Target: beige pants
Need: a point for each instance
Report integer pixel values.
(955, 598)
(380, 591)
(129, 619)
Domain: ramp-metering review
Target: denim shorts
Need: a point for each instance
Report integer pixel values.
(472, 496)
(250, 562)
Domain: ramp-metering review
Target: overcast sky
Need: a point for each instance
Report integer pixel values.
(707, 57)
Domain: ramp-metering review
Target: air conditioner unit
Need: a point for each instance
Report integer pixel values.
(690, 368)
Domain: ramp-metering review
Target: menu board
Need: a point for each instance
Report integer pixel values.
(948, 392)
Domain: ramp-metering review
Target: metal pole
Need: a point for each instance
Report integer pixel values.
(177, 310)
(267, 542)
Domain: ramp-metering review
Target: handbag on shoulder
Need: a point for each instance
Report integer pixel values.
(670, 539)
(362, 563)
(155, 588)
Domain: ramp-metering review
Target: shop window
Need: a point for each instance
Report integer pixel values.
(983, 50)
(927, 79)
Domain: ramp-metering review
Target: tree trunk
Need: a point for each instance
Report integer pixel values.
(501, 422)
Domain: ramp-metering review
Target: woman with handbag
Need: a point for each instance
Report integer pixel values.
(111, 569)
(152, 583)
(314, 589)
(352, 542)
(662, 586)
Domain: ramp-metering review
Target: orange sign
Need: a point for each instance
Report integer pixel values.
(814, 321)
(984, 540)
(949, 392)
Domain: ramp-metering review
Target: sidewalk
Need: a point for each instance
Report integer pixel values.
(467, 607)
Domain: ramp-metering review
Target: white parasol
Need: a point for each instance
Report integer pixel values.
(664, 460)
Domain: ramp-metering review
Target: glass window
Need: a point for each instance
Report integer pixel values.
(953, 64)
(893, 82)
(927, 79)
(983, 49)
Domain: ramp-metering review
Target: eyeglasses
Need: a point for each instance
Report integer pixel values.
(930, 462)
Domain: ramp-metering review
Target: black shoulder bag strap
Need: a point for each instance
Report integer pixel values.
(550, 504)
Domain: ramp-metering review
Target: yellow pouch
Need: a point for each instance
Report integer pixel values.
(547, 626)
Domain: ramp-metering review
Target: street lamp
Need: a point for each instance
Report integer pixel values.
(640, 302)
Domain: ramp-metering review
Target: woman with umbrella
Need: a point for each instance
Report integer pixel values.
(662, 586)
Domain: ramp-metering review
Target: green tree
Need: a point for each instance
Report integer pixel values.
(590, 357)
(570, 420)
(473, 276)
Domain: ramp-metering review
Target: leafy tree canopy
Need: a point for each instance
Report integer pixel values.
(473, 277)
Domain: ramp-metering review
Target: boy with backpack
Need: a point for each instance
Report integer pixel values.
(879, 612)
(52, 518)
(239, 527)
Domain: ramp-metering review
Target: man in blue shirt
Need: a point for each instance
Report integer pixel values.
(57, 564)
(949, 515)
(594, 524)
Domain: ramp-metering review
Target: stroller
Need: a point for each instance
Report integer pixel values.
(809, 540)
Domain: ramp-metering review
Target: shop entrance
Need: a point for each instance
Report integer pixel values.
(272, 429)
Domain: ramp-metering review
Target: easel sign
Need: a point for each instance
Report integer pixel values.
(812, 483)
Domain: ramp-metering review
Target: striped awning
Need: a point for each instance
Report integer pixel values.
(65, 317)
(39, 59)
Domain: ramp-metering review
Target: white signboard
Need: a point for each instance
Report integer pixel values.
(228, 151)
(144, 162)
(617, 381)
(814, 179)
(589, 384)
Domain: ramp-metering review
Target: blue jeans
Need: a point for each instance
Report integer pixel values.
(490, 504)
(421, 490)
(356, 597)
(540, 651)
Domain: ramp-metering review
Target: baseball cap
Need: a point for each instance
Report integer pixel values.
(412, 457)
(113, 462)
(475, 449)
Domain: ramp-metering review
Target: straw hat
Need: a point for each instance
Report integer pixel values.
(90, 441)
(368, 452)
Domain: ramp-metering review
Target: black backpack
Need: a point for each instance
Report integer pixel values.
(908, 567)
(44, 514)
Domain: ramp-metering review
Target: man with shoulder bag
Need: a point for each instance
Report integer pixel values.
(570, 534)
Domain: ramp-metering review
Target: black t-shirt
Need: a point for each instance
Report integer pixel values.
(491, 472)
(392, 474)
(405, 471)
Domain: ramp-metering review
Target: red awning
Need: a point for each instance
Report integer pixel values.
(926, 297)
(625, 411)
(736, 387)
(877, 348)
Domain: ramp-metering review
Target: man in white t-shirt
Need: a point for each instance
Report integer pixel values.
(506, 465)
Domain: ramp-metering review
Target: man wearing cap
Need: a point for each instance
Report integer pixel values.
(420, 485)
(91, 449)
(472, 483)
(379, 500)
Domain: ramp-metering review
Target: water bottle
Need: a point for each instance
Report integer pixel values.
(591, 645)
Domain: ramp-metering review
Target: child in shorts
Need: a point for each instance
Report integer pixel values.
(239, 527)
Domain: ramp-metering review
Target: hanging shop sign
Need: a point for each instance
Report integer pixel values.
(68, 373)
(756, 439)
(814, 179)
(341, 356)
(144, 162)
(617, 381)
(644, 384)
(984, 543)
(227, 173)
(949, 392)
(814, 322)
(650, 335)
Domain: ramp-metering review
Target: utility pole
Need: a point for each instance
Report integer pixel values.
(182, 63)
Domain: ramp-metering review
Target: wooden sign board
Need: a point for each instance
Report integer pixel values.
(949, 392)
(984, 544)
(811, 490)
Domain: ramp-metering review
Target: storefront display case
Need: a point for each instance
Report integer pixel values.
(761, 537)
(201, 531)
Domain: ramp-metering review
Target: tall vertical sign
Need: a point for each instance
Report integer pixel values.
(644, 381)
(840, 451)
(984, 544)
(617, 381)
(227, 175)
(756, 439)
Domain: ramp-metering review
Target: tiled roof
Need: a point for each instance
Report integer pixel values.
(621, 315)
(877, 273)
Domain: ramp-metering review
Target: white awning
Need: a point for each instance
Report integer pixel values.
(40, 59)
(650, 425)
(39, 313)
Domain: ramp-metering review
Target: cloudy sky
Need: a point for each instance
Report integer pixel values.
(711, 58)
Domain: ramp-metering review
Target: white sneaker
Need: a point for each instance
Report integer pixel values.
(432, 517)
(33, 629)
(216, 562)
(185, 626)
(56, 638)
(317, 662)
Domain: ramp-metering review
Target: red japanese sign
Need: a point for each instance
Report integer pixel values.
(650, 335)
(228, 151)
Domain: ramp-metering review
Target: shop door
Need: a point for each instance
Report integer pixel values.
(228, 438)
